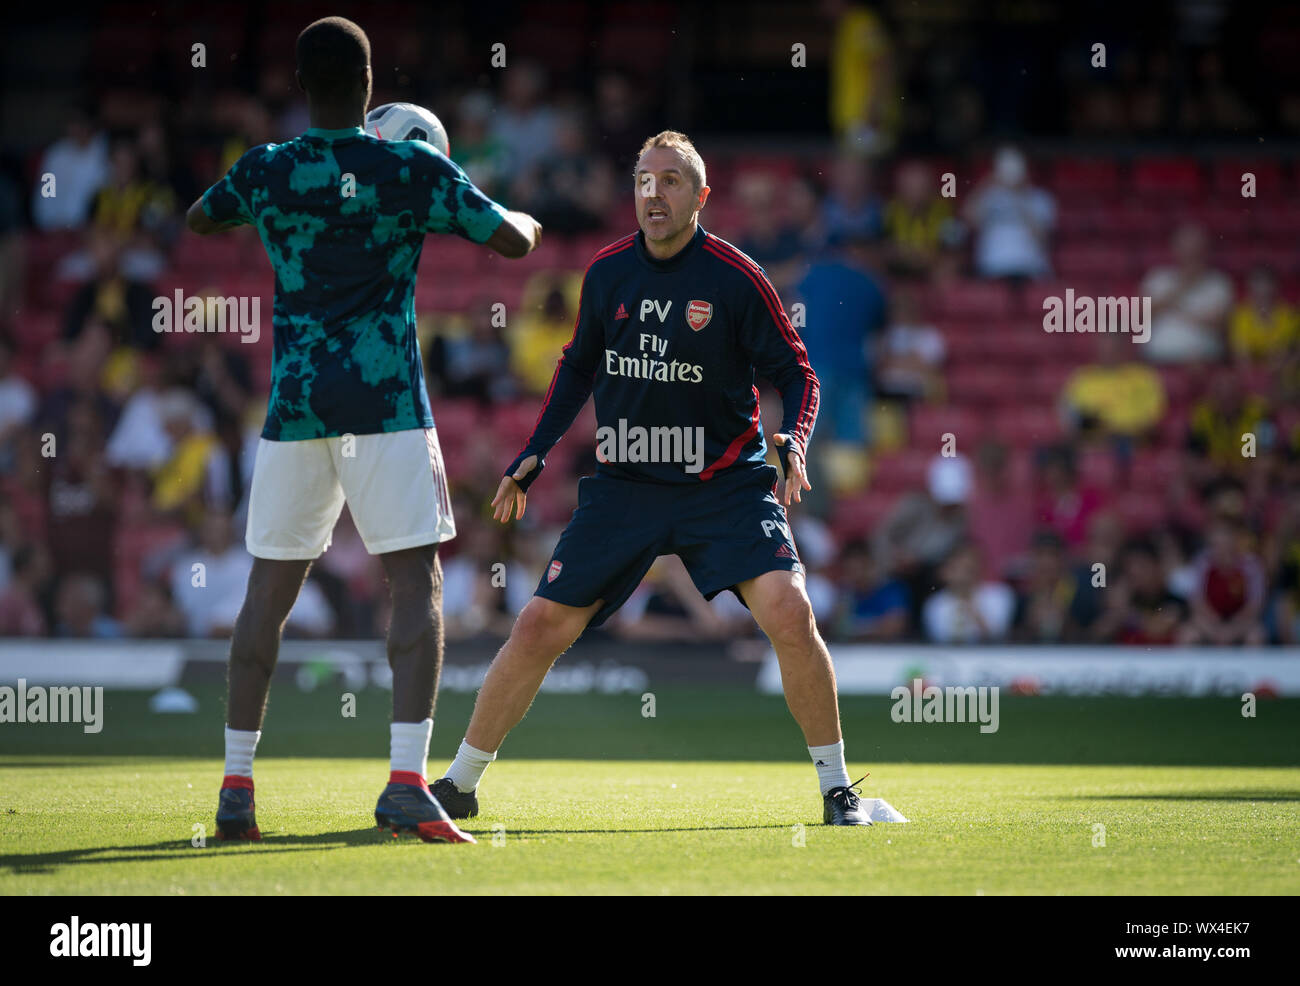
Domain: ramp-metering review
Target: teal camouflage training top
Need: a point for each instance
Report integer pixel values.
(345, 253)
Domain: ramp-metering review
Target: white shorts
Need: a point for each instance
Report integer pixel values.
(394, 485)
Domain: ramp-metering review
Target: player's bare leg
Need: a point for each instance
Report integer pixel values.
(542, 632)
(273, 587)
(415, 636)
(415, 644)
(781, 608)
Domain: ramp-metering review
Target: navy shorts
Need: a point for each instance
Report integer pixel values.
(727, 530)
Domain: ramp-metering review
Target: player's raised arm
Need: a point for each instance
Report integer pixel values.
(777, 352)
(224, 205)
(518, 235)
(451, 203)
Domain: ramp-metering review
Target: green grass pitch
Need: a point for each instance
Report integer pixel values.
(712, 795)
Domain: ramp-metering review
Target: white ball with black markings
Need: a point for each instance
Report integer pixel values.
(406, 121)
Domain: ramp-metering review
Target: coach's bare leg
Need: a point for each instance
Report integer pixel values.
(415, 639)
(543, 631)
(273, 588)
(780, 605)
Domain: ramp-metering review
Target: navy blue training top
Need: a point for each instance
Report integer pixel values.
(676, 344)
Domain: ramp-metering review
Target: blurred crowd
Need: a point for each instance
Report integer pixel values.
(1089, 490)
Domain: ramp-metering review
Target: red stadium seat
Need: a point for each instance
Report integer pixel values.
(1098, 469)
(1276, 221)
(1168, 177)
(1072, 176)
(1269, 180)
(1153, 470)
(1227, 221)
(1140, 512)
(973, 299)
(1026, 426)
(1077, 262)
(983, 383)
(1076, 220)
(929, 423)
(902, 471)
(1133, 219)
(36, 328)
(858, 516)
(1181, 383)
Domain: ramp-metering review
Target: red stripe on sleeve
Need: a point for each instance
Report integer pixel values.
(727, 253)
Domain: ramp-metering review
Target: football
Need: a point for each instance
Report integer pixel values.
(406, 121)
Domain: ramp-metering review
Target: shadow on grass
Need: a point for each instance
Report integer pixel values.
(488, 833)
(46, 863)
(1275, 796)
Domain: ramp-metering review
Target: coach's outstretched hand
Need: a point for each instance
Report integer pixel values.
(509, 495)
(796, 478)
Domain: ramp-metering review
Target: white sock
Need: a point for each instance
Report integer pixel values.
(829, 761)
(241, 744)
(467, 769)
(410, 745)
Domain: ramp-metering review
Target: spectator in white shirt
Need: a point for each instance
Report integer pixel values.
(78, 164)
(967, 610)
(911, 352)
(1190, 302)
(208, 585)
(1011, 220)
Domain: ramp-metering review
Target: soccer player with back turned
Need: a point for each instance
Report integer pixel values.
(673, 325)
(343, 216)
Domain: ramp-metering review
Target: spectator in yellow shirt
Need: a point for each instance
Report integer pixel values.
(863, 108)
(1115, 396)
(1218, 423)
(918, 221)
(196, 474)
(550, 305)
(1263, 326)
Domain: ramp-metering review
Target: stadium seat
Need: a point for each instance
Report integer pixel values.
(1167, 178)
(928, 423)
(973, 299)
(1229, 222)
(1269, 179)
(983, 383)
(1279, 221)
(35, 329)
(905, 470)
(1077, 262)
(1098, 469)
(1153, 470)
(1027, 426)
(1132, 219)
(1072, 177)
(858, 516)
(1140, 512)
